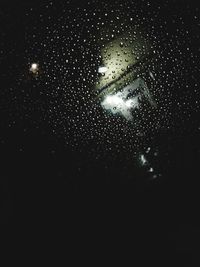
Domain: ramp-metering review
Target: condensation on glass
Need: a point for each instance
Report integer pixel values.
(126, 79)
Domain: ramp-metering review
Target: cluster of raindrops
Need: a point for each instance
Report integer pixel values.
(72, 45)
(148, 162)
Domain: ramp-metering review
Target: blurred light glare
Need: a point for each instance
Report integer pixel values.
(34, 68)
(143, 160)
(102, 69)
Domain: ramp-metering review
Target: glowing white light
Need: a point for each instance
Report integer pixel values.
(148, 149)
(102, 69)
(114, 100)
(132, 103)
(151, 169)
(143, 160)
(117, 104)
(34, 68)
(125, 101)
(128, 103)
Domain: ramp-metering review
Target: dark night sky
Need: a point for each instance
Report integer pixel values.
(62, 155)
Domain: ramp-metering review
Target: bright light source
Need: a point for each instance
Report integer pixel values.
(114, 100)
(129, 103)
(34, 68)
(102, 69)
(151, 169)
(143, 160)
(117, 103)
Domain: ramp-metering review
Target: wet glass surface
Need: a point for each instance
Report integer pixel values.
(101, 98)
